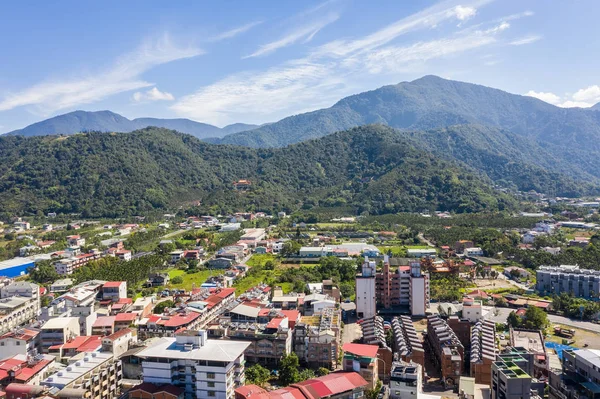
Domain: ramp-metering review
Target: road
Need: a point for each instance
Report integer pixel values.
(499, 315)
(425, 240)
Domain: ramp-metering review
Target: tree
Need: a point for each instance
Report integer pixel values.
(500, 302)
(257, 375)
(305, 374)
(288, 369)
(513, 320)
(43, 273)
(290, 248)
(321, 371)
(373, 393)
(177, 280)
(535, 318)
(158, 309)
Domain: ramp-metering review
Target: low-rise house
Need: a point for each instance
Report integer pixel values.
(475, 251)
(362, 359)
(83, 343)
(220, 263)
(25, 369)
(119, 342)
(59, 330)
(23, 341)
(114, 290)
(61, 285)
(75, 241)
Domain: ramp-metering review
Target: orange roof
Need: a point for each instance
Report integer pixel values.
(179, 320)
(125, 317)
(275, 322)
(113, 284)
(118, 334)
(361, 349)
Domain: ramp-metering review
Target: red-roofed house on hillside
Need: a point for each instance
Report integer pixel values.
(20, 342)
(364, 358)
(118, 343)
(124, 320)
(335, 385)
(147, 390)
(77, 345)
(114, 290)
(104, 325)
(25, 370)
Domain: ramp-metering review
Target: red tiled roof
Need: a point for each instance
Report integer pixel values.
(225, 292)
(287, 393)
(113, 284)
(179, 320)
(125, 317)
(152, 389)
(91, 345)
(104, 321)
(361, 349)
(118, 334)
(332, 384)
(291, 314)
(478, 294)
(26, 335)
(275, 322)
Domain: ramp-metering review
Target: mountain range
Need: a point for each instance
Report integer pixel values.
(366, 169)
(107, 121)
(513, 141)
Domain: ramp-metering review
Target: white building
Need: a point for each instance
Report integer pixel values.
(58, 331)
(204, 368)
(472, 310)
(366, 305)
(406, 381)
(475, 251)
(19, 342)
(421, 253)
(419, 290)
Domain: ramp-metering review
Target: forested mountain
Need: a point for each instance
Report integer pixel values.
(566, 139)
(107, 121)
(370, 168)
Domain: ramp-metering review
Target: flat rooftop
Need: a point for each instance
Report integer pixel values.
(76, 369)
(212, 350)
(530, 340)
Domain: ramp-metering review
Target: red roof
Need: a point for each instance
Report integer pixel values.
(23, 372)
(91, 345)
(119, 334)
(478, 294)
(361, 349)
(404, 268)
(25, 335)
(250, 390)
(262, 312)
(113, 284)
(275, 322)
(332, 384)
(125, 317)
(153, 389)
(179, 320)
(104, 321)
(543, 305)
(225, 292)
(291, 314)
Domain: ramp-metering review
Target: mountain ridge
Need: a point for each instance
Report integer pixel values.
(108, 121)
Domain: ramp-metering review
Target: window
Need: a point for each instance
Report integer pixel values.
(18, 343)
(211, 394)
(210, 384)
(210, 375)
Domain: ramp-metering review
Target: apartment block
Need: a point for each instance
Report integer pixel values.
(578, 282)
(483, 351)
(447, 350)
(204, 368)
(404, 286)
(407, 343)
(317, 338)
(95, 375)
(366, 297)
(579, 377)
(406, 380)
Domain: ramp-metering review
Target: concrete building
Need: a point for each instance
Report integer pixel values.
(361, 359)
(403, 287)
(406, 380)
(366, 294)
(483, 351)
(579, 377)
(447, 350)
(204, 368)
(509, 381)
(19, 342)
(89, 375)
(114, 290)
(531, 343)
(407, 343)
(472, 310)
(19, 305)
(58, 331)
(317, 338)
(582, 283)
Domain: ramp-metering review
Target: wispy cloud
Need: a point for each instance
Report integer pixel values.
(306, 32)
(124, 75)
(525, 40)
(234, 32)
(152, 95)
(333, 70)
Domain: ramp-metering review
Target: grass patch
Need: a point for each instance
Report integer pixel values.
(260, 259)
(191, 279)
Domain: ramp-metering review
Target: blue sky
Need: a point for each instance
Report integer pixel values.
(256, 62)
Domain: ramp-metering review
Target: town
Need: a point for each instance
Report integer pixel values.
(252, 305)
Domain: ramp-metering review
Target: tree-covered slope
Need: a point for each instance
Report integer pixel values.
(107, 121)
(369, 168)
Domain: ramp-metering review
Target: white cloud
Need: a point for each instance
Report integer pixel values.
(330, 72)
(525, 40)
(124, 75)
(550, 98)
(306, 31)
(152, 95)
(234, 32)
(463, 13)
(590, 95)
(583, 98)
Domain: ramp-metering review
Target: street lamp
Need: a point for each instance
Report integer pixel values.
(385, 375)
